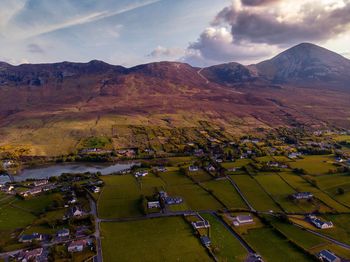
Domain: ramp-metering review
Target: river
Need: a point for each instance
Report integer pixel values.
(72, 168)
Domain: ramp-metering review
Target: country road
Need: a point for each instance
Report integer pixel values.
(97, 234)
(241, 194)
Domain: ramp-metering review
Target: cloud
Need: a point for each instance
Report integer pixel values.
(258, 2)
(163, 52)
(312, 21)
(69, 16)
(35, 48)
(216, 45)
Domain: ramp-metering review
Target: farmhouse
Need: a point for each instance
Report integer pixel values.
(205, 241)
(141, 174)
(31, 192)
(328, 256)
(302, 195)
(153, 204)
(200, 224)
(173, 200)
(210, 168)
(161, 169)
(193, 168)
(30, 255)
(41, 182)
(76, 212)
(76, 246)
(63, 232)
(243, 220)
(30, 238)
(318, 222)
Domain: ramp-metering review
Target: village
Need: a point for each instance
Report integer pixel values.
(287, 187)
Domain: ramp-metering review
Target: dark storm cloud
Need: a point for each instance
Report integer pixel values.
(315, 23)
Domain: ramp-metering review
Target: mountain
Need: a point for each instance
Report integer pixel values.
(49, 108)
(306, 64)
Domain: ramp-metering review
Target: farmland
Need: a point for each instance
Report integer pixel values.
(254, 193)
(165, 239)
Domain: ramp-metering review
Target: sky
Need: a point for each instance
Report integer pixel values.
(198, 32)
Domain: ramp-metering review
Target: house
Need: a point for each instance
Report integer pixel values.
(30, 238)
(210, 168)
(294, 155)
(153, 204)
(328, 256)
(75, 211)
(318, 222)
(173, 200)
(302, 195)
(205, 241)
(161, 169)
(200, 224)
(193, 168)
(95, 189)
(163, 194)
(77, 246)
(41, 182)
(30, 255)
(31, 192)
(243, 220)
(233, 169)
(141, 174)
(63, 232)
(7, 164)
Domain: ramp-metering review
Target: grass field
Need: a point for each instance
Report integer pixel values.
(12, 218)
(36, 204)
(302, 185)
(228, 247)
(165, 239)
(236, 164)
(279, 190)
(223, 190)
(194, 196)
(314, 165)
(255, 195)
(120, 197)
(331, 183)
(273, 247)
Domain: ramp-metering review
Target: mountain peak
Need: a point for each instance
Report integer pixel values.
(304, 63)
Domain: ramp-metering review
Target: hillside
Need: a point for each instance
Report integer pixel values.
(49, 108)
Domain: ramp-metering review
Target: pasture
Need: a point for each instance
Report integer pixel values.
(254, 193)
(227, 247)
(223, 190)
(163, 239)
(273, 246)
(315, 165)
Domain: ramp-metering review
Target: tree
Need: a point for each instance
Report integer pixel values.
(340, 191)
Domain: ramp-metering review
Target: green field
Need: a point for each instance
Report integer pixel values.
(228, 248)
(331, 184)
(36, 204)
(273, 247)
(254, 193)
(315, 165)
(164, 239)
(302, 185)
(120, 197)
(13, 218)
(195, 197)
(223, 190)
(236, 164)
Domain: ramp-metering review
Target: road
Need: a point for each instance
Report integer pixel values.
(334, 241)
(241, 194)
(239, 238)
(97, 234)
